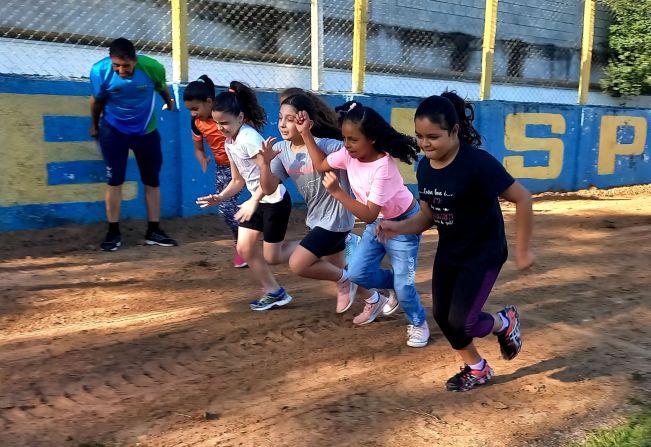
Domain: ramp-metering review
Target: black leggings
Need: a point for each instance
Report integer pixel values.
(458, 294)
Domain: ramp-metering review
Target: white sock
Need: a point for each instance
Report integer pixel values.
(373, 298)
(344, 276)
(478, 366)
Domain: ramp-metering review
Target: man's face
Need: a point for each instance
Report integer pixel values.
(123, 67)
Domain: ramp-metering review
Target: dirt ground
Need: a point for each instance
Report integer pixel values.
(155, 346)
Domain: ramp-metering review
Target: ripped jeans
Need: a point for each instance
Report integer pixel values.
(364, 268)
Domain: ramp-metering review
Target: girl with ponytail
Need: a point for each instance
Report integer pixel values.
(240, 117)
(198, 97)
(460, 186)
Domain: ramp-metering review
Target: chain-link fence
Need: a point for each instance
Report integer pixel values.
(413, 47)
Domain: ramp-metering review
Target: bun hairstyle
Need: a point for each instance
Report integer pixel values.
(374, 127)
(202, 90)
(449, 110)
(240, 98)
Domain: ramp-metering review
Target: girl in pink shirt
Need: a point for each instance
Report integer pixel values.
(370, 143)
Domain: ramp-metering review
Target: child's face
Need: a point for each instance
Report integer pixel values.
(436, 143)
(199, 109)
(356, 143)
(227, 123)
(287, 124)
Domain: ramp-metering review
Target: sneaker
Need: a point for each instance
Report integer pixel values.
(268, 301)
(238, 261)
(158, 237)
(111, 242)
(345, 295)
(392, 304)
(469, 378)
(371, 311)
(352, 241)
(509, 339)
(418, 336)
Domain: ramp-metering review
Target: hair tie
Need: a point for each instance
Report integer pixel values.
(201, 80)
(352, 106)
(231, 90)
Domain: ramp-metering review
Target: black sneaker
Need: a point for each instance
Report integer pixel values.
(111, 242)
(158, 237)
(469, 378)
(509, 339)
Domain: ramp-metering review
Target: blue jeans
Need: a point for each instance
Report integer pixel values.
(364, 268)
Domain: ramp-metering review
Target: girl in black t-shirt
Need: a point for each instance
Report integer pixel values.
(459, 186)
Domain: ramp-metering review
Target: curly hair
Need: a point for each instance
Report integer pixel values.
(374, 127)
(448, 110)
(321, 128)
(240, 98)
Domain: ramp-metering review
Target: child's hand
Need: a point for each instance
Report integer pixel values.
(303, 122)
(387, 229)
(267, 152)
(209, 200)
(331, 182)
(524, 260)
(246, 211)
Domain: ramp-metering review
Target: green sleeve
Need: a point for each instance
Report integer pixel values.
(154, 70)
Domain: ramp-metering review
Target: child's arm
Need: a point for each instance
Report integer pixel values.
(518, 194)
(422, 221)
(234, 186)
(200, 155)
(303, 124)
(268, 181)
(368, 213)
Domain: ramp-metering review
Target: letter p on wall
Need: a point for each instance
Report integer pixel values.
(611, 131)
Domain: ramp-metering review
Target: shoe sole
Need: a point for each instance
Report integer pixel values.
(350, 300)
(112, 249)
(275, 303)
(370, 320)
(417, 345)
(241, 266)
(159, 244)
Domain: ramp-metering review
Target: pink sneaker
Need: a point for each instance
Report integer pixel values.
(371, 310)
(238, 261)
(345, 295)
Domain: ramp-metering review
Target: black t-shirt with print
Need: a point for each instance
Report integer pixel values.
(463, 197)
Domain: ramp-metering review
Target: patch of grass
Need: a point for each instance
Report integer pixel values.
(635, 433)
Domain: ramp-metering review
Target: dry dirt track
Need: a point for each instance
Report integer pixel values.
(134, 347)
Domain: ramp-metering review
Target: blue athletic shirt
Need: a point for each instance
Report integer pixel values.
(129, 103)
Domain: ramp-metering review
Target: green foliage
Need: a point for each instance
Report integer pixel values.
(635, 433)
(629, 66)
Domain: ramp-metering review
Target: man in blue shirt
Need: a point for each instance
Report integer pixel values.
(124, 87)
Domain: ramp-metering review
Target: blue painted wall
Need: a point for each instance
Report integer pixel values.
(51, 172)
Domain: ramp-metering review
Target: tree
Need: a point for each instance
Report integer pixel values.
(629, 66)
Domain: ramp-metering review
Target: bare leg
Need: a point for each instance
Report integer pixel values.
(278, 252)
(152, 200)
(249, 248)
(113, 201)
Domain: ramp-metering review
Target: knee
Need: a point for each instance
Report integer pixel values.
(245, 250)
(297, 266)
(272, 258)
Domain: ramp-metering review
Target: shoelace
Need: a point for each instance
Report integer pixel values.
(415, 331)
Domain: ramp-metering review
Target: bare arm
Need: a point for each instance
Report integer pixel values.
(167, 97)
(303, 124)
(268, 181)
(518, 194)
(96, 109)
(368, 213)
(200, 154)
(422, 221)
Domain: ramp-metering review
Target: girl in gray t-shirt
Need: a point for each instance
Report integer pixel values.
(321, 253)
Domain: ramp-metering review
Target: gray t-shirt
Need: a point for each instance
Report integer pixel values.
(323, 210)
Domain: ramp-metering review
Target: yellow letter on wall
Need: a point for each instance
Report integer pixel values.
(515, 139)
(609, 148)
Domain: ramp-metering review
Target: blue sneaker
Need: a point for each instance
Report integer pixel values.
(352, 241)
(270, 300)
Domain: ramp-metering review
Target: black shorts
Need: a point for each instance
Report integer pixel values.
(271, 219)
(321, 242)
(115, 147)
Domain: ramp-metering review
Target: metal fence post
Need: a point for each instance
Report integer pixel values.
(488, 49)
(359, 45)
(589, 13)
(316, 44)
(179, 41)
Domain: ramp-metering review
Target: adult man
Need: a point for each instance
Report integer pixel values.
(124, 87)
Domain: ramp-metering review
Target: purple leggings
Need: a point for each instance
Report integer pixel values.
(459, 294)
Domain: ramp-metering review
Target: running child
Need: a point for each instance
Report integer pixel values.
(239, 117)
(198, 97)
(459, 187)
(321, 254)
(380, 193)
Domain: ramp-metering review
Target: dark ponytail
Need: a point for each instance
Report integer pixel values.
(322, 128)
(240, 98)
(200, 90)
(450, 109)
(375, 128)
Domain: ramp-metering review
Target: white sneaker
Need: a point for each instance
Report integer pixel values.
(392, 304)
(418, 336)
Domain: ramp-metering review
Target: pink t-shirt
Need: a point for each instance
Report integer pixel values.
(379, 182)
